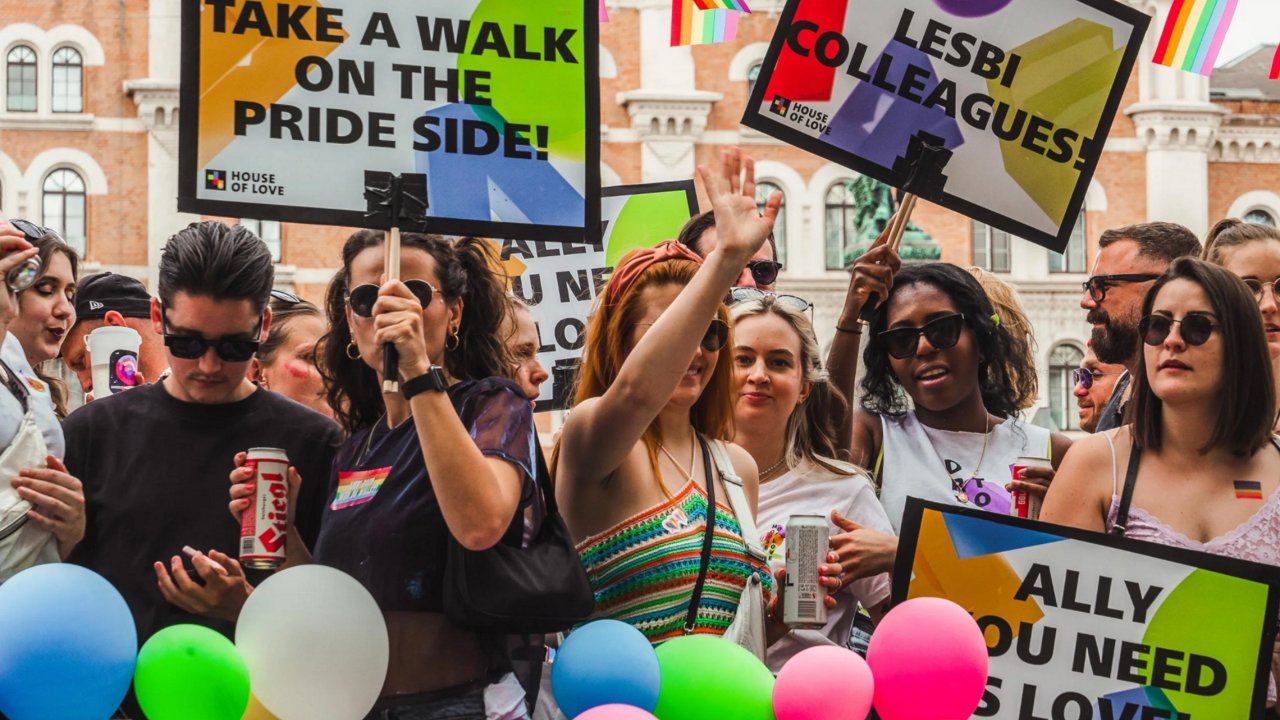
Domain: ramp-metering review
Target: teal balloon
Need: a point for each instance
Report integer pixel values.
(704, 676)
(189, 672)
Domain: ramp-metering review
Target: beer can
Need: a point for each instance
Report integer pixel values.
(808, 540)
(1025, 504)
(264, 525)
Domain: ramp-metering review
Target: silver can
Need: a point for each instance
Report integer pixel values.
(808, 540)
(265, 524)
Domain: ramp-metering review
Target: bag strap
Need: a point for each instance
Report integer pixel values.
(15, 385)
(738, 500)
(696, 599)
(1126, 495)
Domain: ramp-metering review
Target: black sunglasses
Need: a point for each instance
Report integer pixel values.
(362, 298)
(714, 340)
(1097, 285)
(744, 294)
(192, 347)
(1196, 328)
(941, 333)
(1257, 286)
(1084, 377)
(286, 297)
(765, 272)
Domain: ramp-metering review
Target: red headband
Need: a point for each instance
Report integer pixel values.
(624, 276)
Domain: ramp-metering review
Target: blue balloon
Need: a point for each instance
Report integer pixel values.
(605, 662)
(67, 645)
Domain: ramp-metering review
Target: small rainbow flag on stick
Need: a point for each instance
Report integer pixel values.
(739, 5)
(1193, 34)
(693, 26)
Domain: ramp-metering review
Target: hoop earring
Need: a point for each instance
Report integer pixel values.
(353, 352)
(456, 341)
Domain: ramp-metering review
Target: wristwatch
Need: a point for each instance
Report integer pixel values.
(433, 379)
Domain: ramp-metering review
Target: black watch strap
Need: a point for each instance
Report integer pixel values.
(433, 379)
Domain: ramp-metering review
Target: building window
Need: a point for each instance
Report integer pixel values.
(1262, 217)
(68, 77)
(22, 79)
(1063, 360)
(752, 74)
(990, 248)
(840, 232)
(764, 189)
(269, 231)
(64, 206)
(1070, 260)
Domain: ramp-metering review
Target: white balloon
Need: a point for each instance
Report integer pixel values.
(315, 643)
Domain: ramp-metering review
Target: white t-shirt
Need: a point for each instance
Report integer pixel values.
(810, 489)
(40, 400)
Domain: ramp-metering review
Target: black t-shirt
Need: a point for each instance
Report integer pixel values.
(155, 472)
(383, 525)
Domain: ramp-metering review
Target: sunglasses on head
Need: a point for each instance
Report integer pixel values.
(287, 298)
(942, 333)
(1084, 377)
(764, 272)
(715, 339)
(193, 347)
(1195, 328)
(744, 294)
(362, 298)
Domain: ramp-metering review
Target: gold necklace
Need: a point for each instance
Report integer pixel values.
(693, 455)
(958, 486)
(769, 470)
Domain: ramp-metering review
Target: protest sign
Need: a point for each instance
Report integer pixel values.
(560, 282)
(286, 105)
(1089, 626)
(1022, 94)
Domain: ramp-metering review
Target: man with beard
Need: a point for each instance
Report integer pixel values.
(1129, 260)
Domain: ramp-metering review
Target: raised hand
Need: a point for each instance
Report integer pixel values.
(740, 228)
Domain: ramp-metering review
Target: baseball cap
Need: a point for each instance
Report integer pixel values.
(99, 293)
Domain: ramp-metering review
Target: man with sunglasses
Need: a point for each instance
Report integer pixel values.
(1093, 382)
(699, 235)
(107, 298)
(155, 460)
(1129, 260)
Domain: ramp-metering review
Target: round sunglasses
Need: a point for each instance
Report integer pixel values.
(362, 298)
(1195, 328)
(942, 333)
(744, 294)
(1084, 377)
(764, 272)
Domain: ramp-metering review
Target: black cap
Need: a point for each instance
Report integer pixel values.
(106, 291)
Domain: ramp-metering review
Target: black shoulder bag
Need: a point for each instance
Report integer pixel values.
(696, 599)
(510, 589)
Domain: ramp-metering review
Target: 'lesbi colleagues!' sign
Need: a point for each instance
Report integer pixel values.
(1085, 626)
(286, 104)
(1023, 93)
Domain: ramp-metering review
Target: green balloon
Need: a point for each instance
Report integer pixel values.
(709, 677)
(189, 672)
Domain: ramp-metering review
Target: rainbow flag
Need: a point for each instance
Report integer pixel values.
(1248, 489)
(693, 26)
(739, 5)
(1193, 34)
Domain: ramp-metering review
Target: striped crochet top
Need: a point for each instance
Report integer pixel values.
(643, 570)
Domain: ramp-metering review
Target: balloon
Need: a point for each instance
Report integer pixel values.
(614, 712)
(704, 676)
(189, 672)
(255, 711)
(67, 645)
(315, 643)
(929, 660)
(605, 662)
(823, 683)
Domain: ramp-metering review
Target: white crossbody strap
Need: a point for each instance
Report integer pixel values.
(737, 499)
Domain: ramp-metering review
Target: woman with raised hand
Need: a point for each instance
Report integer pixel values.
(634, 463)
(1198, 467)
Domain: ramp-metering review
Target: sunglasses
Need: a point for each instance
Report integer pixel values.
(1084, 377)
(941, 333)
(1196, 328)
(26, 274)
(1257, 286)
(193, 347)
(744, 294)
(714, 340)
(764, 272)
(362, 298)
(286, 297)
(1097, 285)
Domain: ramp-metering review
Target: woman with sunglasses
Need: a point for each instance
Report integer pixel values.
(1198, 467)
(936, 339)
(634, 465)
(286, 360)
(783, 418)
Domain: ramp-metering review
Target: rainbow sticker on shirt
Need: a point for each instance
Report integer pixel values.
(772, 542)
(358, 488)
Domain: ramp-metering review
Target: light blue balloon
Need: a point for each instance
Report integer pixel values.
(67, 645)
(605, 662)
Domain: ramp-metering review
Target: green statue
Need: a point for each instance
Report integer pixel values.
(875, 206)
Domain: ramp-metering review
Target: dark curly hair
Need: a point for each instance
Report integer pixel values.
(881, 391)
(465, 268)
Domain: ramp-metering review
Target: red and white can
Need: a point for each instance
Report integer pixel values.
(264, 525)
(1025, 504)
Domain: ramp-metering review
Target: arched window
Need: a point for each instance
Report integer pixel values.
(64, 206)
(21, 79)
(990, 248)
(840, 233)
(1063, 360)
(1071, 260)
(269, 231)
(68, 80)
(764, 189)
(752, 74)
(1262, 217)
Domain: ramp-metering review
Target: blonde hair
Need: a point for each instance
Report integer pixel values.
(1004, 300)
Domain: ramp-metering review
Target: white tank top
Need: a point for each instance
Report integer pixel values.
(930, 464)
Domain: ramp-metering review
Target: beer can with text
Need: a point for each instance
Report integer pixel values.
(1024, 504)
(808, 540)
(264, 525)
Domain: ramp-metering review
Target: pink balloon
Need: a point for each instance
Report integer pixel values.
(823, 683)
(615, 712)
(929, 660)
